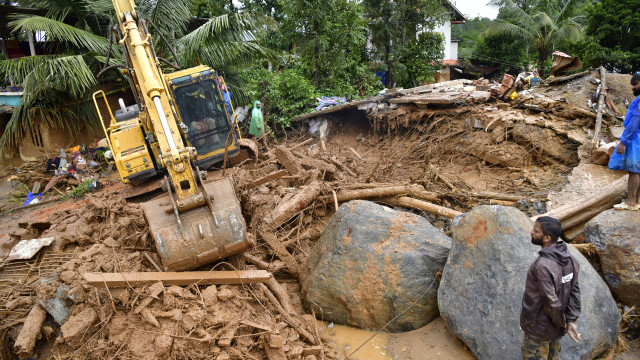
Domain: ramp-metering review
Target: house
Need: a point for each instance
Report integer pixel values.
(450, 44)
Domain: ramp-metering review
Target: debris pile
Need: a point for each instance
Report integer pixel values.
(428, 151)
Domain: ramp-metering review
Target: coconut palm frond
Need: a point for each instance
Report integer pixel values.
(568, 9)
(224, 53)
(544, 22)
(228, 27)
(571, 32)
(502, 27)
(18, 69)
(69, 75)
(168, 15)
(60, 31)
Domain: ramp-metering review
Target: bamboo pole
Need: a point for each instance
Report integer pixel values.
(603, 91)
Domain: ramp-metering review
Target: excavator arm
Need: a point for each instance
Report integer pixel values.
(194, 222)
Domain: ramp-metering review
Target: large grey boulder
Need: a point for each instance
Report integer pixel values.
(371, 263)
(480, 294)
(615, 235)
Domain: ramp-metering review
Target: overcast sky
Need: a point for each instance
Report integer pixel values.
(473, 8)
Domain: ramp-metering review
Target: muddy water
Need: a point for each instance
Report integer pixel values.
(348, 339)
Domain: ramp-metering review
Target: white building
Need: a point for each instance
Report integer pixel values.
(450, 45)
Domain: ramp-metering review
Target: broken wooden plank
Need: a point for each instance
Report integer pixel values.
(115, 280)
(153, 292)
(354, 152)
(408, 202)
(267, 178)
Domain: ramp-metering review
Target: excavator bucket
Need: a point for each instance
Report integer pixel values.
(197, 236)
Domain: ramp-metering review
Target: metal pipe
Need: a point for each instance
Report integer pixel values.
(165, 124)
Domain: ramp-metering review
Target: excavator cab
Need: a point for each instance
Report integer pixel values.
(205, 121)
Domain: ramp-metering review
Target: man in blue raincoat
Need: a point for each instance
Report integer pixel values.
(627, 154)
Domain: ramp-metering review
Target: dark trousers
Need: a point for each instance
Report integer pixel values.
(540, 350)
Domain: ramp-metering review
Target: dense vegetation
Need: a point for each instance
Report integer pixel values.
(288, 52)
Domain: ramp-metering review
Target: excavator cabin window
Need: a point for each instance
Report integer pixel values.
(202, 111)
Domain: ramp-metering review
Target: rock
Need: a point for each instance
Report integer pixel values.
(210, 295)
(615, 132)
(57, 306)
(371, 263)
(30, 332)
(480, 294)
(615, 235)
(224, 293)
(77, 325)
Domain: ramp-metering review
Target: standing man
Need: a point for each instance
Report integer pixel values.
(551, 301)
(627, 154)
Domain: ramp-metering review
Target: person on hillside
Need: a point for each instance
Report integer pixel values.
(256, 128)
(551, 301)
(627, 154)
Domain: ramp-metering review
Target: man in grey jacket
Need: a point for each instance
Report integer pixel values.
(551, 301)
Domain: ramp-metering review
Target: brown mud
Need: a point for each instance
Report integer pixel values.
(524, 151)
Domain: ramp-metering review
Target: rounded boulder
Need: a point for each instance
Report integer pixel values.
(371, 264)
(615, 235)
(480, 294)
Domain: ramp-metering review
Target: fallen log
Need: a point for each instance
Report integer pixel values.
(562, 79)
(408, 202)
(267, 178)
(570, 214)
(297, 203)
(273, 158)
(30, 331)
(286, 316)
(603, 91)
(286, 158)
(116, 280)
(281, 251)
(346, 195)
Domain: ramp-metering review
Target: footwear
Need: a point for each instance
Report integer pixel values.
(625, 206)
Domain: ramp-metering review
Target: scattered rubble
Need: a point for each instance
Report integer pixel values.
(434, 151)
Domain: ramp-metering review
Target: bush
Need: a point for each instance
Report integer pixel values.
(286, 94)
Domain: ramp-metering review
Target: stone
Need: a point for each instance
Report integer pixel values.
(210, 295)
(372, 263)
(480, 294)
(615, 235)
(77, 325)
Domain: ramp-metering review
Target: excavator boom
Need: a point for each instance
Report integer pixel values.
(194, 222)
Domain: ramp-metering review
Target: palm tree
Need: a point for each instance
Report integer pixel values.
(58, 87)
(544, 26)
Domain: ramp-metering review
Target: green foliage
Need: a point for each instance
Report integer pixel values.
(613, 36)
(544, 25)
(421, 57)
(284, 95)
(84, 187)
(395, 23)
(19, 195)
(332, 39)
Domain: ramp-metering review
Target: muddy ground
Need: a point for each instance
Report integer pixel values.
(532, 153)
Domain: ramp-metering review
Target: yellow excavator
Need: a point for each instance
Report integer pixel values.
(178, 125)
